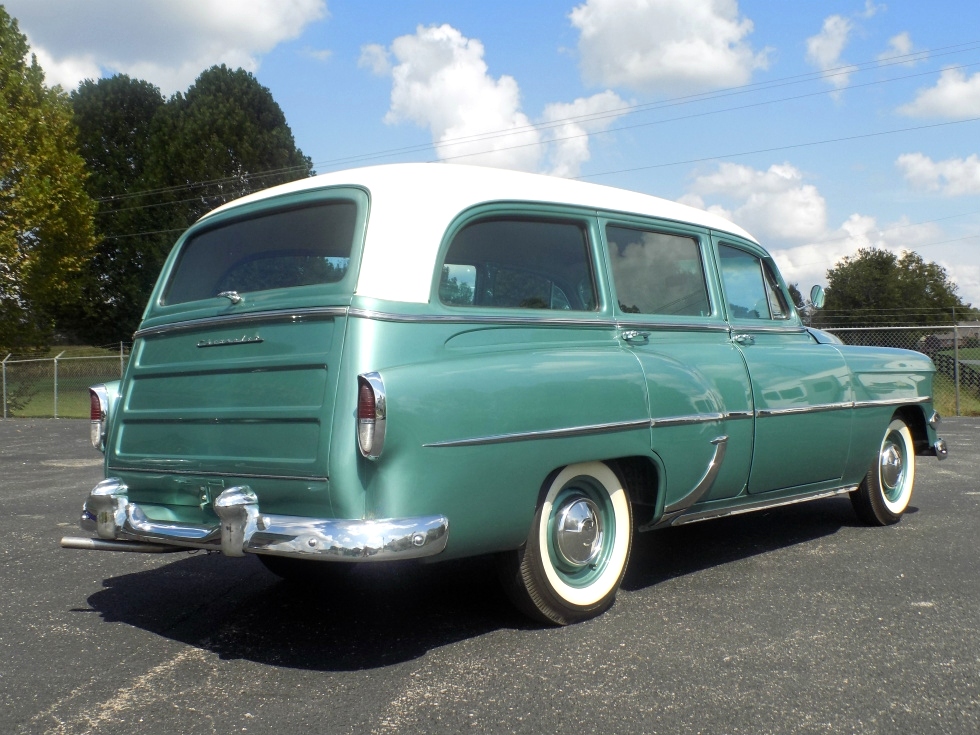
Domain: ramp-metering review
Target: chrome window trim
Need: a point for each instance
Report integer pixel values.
(250, 318)
(742, 327)
(547, 321)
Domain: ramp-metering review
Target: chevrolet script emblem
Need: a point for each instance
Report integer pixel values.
(245, 340)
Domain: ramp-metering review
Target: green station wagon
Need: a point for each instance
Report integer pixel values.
(429, 361)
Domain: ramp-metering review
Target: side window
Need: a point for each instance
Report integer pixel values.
(657, 272)
(751, 289)
(520, 263)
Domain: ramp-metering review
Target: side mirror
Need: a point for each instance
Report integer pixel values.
(817, 297)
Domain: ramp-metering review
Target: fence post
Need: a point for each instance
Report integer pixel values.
(5, 385)
(56, 383)
(956, 364)
(122, 363)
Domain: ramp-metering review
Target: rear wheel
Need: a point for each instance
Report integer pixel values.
(572, 564)
(886, 490)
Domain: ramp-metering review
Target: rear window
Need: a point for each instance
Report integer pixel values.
(303, 246)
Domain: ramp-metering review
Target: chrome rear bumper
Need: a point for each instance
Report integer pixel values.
(244, 528)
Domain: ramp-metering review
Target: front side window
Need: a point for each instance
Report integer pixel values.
(657, 272)
(294, 247)
(751, 288)
(519, 263)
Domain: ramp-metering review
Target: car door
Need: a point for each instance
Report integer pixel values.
(668, 314)
(801, 389)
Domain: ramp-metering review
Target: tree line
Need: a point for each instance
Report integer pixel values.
(96, 185)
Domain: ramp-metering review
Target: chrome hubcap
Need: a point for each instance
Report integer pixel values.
(891, 466)
(578, 532)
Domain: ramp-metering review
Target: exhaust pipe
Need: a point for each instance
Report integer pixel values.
(98, 544)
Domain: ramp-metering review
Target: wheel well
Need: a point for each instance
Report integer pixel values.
(916, 421)
(642, 483)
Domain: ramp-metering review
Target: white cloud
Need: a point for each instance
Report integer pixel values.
(825, 48)
(775, 203)
(952, 177)
(440, 81)
(954, 96)
(667, 46)
(900, 46)
(569, 125)
(375, 57)
(166, 42)
(789, 217)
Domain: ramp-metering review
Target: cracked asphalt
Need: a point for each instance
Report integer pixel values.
(794, 620)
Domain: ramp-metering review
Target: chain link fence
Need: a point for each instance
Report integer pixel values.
(55, 386)
(58, 386)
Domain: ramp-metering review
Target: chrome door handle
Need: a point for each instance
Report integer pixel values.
(744, 339)
(633, 335)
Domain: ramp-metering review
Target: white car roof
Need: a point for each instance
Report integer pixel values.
(412, 204)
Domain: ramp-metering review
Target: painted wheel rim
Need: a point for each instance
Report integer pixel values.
(580, 556)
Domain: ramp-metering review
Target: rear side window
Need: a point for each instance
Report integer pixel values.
(520, 263)
(294, 247)
(657, 272)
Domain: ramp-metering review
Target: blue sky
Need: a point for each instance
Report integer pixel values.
(820, 127)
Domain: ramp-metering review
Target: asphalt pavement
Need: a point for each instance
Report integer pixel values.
(793, 620)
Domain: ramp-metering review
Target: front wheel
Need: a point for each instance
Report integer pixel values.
(575, 556)
(886, 490)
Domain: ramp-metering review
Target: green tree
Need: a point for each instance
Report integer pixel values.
(114, 118)
(46, 227)
(226, 137)
(157, 167)
(877, 287)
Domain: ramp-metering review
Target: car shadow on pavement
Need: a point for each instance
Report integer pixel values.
(377, 615)
(675, 552)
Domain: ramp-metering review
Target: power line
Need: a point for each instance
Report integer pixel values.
(672, 102)
(792, 146)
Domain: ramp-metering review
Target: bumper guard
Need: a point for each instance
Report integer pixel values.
(244, 528)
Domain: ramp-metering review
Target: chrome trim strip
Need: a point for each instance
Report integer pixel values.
(699, 418)
(705, 515)
(703, 418)
(674, 326)
(763, 412)
(250, 318)
(478, 319)
(587, 320)
(760, 329)
(707, 479)
(545, 434)
(237, 475)
(892, 402)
